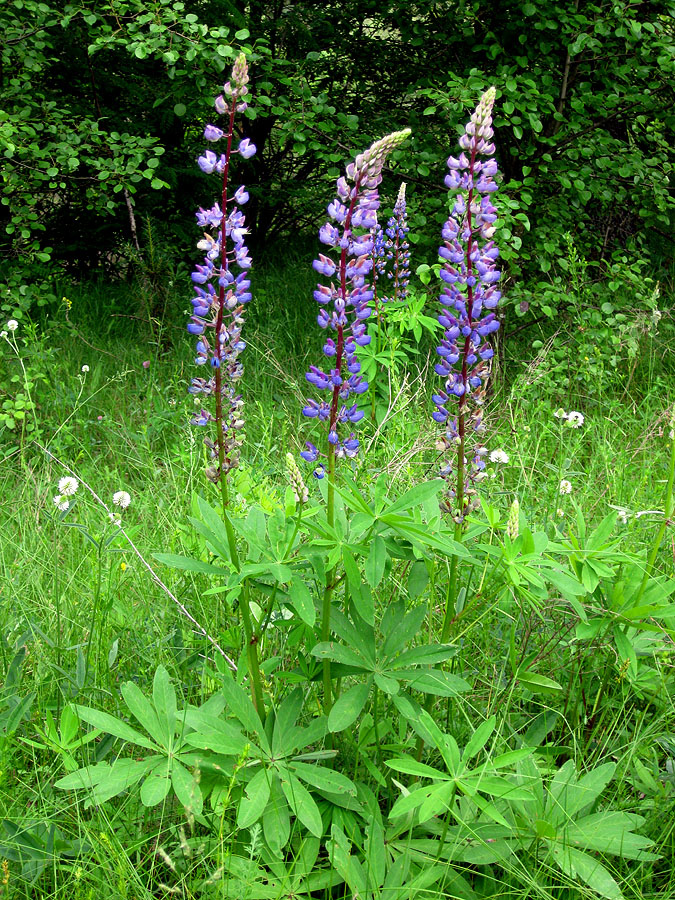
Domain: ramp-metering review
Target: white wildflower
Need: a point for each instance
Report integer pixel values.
(565, 486)
(499, 456)
(623, 515)
(85, 369)
(560, 512)
(575, 419)
(115, 519)
(121, 499)
(3, 334)
(12, 325)
(560, 413)
(61, 503)
(68, 485)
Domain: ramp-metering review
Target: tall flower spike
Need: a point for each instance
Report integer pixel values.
(222, 287)
(344, 302)
(469, 298)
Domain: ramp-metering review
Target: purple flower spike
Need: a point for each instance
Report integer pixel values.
(468, 297)
(354, 207)
(221, 295)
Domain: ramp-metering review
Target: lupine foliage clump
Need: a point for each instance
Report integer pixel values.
(341, 740)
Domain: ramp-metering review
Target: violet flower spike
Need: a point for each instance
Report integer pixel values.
(222, 292)
(469, 298)
(344, 304)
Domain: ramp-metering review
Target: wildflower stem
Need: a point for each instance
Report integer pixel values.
(667, 513)
(219, 318)
(330, 583)
(251, 635)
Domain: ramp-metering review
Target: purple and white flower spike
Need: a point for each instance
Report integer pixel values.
(344, 303)
(220, 293)
(469, 298)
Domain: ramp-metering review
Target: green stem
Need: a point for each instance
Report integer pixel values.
(250, 635)
(667, 512)
(330, 583)
(452, 586)
(97, 596)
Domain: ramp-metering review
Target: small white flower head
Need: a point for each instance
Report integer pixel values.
(3, 334)
(85, 369)
(565, 486)
(68, 485)
(560, 512)
(499, 456)
(575, 419)
(115, 519)
(61, 503)
(121, 499)
(623, 515)
(12, 325)
(560, 413)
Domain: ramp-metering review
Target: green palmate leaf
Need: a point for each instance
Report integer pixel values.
(283, 735)
(215, 734)
(110, 725)
(416, 496)
(186, 788)
(118, 776)
(154, 789)
(568, 796)
(255, 798)
(238, 704)
(302, 601)
(302, 803)
(580, 865)
(611, 832)
(441, 684)
(427, 655)
(340, 654)
(362, 598)
(376, 562)
(348, 706)
(479, 738)
(145, 713)
(276, 820)
(375, 853)
(164, 698)
(323, 779)
(189, 565)
(418, 579)
(410, 766)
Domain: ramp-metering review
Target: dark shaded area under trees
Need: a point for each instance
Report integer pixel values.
(103, 105)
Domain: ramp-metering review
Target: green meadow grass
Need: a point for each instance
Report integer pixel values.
(125, 426)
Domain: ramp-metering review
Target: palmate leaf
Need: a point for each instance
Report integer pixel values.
(143, 710)
(586, 868)
(348, 706)
(302, 803)
(111, 725)
(106, 780)
(276, 819)
(611, 832)
(256, 794)
(434, 681)
(219, 736)
(568, 795)
(323, 779)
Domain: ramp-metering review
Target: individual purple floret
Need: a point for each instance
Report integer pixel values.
(469, 298)
(220, 292)
(344, 303)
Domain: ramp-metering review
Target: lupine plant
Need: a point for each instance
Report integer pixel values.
(351, 654)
